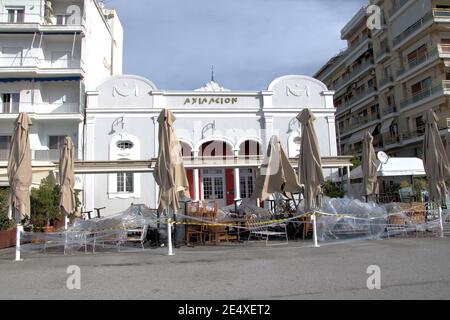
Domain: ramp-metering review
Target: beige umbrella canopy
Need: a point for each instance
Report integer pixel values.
(20, 169)
(369, 166)
(276, 173)
(435, 160)
(310, 162)
(67, 178)
(169, 173)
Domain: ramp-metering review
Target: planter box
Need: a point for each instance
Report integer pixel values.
(8, 238)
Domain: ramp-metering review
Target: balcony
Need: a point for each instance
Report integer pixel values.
(36, 21)
(437, 90)
(385, 82)
(361, 122)
(436, 15)
(38, 155)
(382, 54)
(32, 66)
(49, 155)
(417, 63)
(358, 98)
(391, 140)
(9, 107)
(388, 110)
(41, 108)
(397, 7)
(356, 72)
(444, 51)
(402, 37)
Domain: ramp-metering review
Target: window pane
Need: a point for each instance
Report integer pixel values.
(120, 182)
(129, 182)
(218, 188)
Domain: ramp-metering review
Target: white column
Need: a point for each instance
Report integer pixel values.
(80, 140)
(155, 154)
(89, 179)
(332, 135)
(196, 175)
(237, 182)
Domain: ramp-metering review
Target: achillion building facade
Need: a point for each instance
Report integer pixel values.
(64, 68)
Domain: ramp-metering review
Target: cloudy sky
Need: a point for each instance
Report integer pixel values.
(249, 42)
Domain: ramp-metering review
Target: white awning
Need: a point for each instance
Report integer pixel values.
(359, 136)
(386, 125)
(395, 167)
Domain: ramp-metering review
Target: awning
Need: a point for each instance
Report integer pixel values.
(395, 167)
(358, 136)
(6, 80)
(386, 125)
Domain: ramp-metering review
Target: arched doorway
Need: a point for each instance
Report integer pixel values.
(216, 184)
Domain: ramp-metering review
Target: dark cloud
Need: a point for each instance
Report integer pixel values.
(250, 42)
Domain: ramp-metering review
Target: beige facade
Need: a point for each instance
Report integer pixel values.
(388, 76)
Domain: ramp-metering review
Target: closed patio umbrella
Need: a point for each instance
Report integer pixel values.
(369, 167)
(435, 162)
(20, 174)
(310, 162)
(276, 173)
(169, 173)
(67, 201)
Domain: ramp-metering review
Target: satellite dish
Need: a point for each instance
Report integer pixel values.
(383, 157)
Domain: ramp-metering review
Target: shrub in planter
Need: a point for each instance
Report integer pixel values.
(44, 206)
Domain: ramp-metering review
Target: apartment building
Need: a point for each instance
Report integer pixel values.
(51, 54)
(387, 77)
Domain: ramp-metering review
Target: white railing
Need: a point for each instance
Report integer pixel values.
(9, 107)
(35, 18)
(35, 62)
(42, 108)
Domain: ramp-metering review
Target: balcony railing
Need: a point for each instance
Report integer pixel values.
(360, 122)
(35, 18)
(391, 140)
(386, 80)
(35, 62)
(441, 13)
(413, 28)
(9, 107)
(446, 85)
(426, 93)
(444, 49)
(388, 110)
(49, 155)
(432, 54)
(352, 74)
(382, 52)
(397, 7)
(359, 97)
(45, 108)
(39, 155)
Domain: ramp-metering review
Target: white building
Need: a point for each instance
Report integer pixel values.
(51, 52)
(121, 119)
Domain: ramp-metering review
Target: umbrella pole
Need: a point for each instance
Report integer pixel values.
(315, 230)
(169, 237)
(441, 223)
(18, 234)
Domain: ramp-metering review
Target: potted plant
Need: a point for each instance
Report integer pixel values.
(7, 226)
(45, 207)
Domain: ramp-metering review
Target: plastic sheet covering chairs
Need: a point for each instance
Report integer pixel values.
(257, 228)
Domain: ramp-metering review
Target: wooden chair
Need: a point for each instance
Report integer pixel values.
(194, 232)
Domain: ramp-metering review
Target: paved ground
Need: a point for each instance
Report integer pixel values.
(410, 269)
